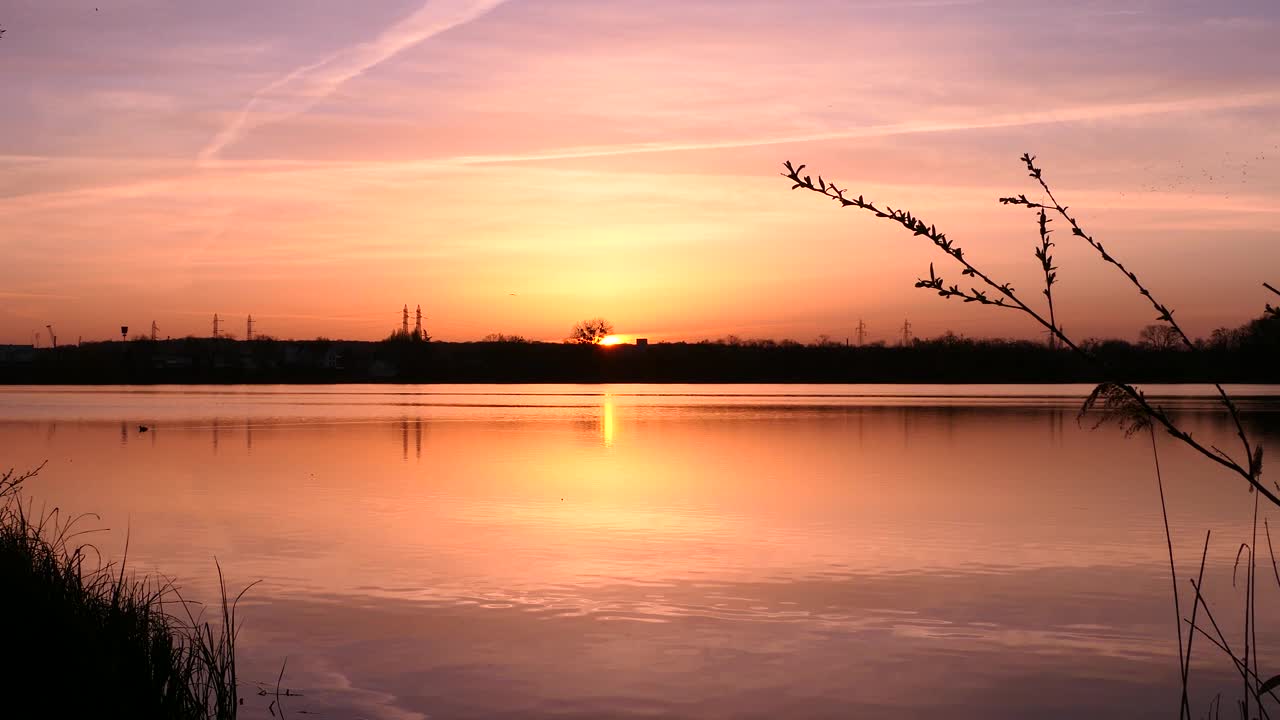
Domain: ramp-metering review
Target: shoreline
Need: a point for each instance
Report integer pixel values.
(207, 361)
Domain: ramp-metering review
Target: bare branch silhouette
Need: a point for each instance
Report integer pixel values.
(1134, 401)
(1165, 314)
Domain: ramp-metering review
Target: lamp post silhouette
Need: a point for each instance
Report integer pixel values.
(124, 333)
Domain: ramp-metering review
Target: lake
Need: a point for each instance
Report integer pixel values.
(775, 551)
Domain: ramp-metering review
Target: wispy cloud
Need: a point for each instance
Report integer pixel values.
(1112, 111)
(14, 295)
(303, 88)
(247, 173)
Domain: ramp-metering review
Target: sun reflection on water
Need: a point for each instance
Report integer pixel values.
(607, 420)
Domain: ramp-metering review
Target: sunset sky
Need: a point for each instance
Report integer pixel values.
(516, 166)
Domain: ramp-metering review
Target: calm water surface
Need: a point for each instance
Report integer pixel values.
(686, 551)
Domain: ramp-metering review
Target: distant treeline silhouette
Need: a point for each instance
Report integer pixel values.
(1244, 354)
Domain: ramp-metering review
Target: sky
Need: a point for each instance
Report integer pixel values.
(515, 166)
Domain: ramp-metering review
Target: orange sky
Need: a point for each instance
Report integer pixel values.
(516, 166)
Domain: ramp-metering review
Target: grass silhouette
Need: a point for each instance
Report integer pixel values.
(101, 642)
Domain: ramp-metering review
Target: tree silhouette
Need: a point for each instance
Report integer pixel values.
(1159, 337)
(590, 332)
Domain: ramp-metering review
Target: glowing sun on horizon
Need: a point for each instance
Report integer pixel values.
(611, 340)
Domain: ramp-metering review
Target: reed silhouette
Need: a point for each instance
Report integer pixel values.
(1115, 399)
(100, 641)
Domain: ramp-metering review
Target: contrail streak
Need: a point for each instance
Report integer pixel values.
(1010, 120)
(303, 88)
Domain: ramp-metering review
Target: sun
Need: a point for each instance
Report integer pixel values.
(611, 340)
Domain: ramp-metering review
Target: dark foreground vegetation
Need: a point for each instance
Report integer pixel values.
(1117, 399)
(84, 640)
(1245, 354)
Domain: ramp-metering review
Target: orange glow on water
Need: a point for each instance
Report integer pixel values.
(816, 521)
